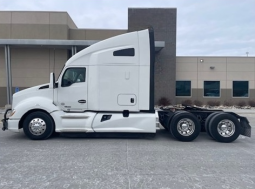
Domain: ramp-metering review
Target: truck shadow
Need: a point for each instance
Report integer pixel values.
(160, 135)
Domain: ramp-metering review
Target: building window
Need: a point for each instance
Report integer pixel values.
(240, 88)
(211, 88)
(183, 88)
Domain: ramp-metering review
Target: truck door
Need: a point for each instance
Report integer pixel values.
(72, 90)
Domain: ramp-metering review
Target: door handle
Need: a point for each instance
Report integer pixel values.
(82, 101)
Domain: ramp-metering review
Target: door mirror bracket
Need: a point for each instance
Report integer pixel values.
(52, 84)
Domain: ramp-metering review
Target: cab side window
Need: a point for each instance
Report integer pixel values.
(73, 75)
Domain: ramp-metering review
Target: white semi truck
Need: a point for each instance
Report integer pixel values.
(109, 87)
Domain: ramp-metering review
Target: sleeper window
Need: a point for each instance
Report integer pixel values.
(124, 52)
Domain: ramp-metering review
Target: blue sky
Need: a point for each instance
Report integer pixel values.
(204, 27)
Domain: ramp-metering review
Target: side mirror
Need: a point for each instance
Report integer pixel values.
(52, 81)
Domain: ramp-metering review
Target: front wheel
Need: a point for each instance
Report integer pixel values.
(185, 126)
(38, 126)
(224, 127)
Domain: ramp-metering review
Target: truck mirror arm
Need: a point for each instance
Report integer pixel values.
(52, 81)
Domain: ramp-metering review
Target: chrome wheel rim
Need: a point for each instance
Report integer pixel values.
(37, 126)
(226, 128)
(186, 127)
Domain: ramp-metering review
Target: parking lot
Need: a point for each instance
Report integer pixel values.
(162, 162)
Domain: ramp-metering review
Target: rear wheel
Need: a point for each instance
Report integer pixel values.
(224, 127)
(170, 119)
(207, 121)
(38, 126)
(185, 126)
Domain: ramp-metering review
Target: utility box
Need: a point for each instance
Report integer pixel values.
(127, 99)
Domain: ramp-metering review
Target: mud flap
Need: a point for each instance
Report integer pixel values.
(245, 128)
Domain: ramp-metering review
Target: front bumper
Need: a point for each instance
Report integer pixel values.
(5, 120)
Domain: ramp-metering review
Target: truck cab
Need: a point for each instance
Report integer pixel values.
(107, 87)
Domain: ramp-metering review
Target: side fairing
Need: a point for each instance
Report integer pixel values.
(134, 123)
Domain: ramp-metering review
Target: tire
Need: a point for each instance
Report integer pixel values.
(224, 127)
(180, 130)
(42, 127)
(169, 121)
(166, 128)
(207, 121)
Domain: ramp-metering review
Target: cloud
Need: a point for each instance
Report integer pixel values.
(214, 27)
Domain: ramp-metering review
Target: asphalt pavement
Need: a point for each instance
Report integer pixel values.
(103, 162)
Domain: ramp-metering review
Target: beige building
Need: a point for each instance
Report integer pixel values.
(215, 79)
(33, 44)
(39, 43)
